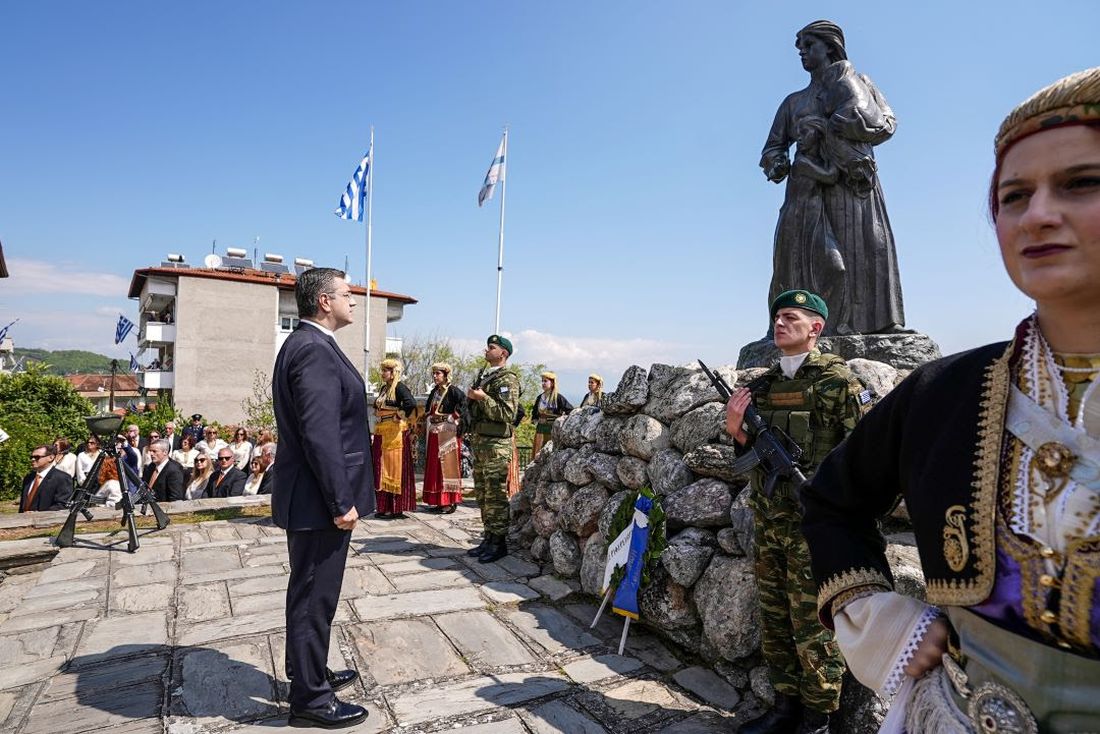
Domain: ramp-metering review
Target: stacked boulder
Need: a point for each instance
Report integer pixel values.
(664, 429)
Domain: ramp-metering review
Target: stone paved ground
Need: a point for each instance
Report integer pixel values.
(186, 635)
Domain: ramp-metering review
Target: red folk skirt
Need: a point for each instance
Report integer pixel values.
(387, 502)
(433, 475)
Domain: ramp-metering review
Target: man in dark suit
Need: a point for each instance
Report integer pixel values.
(324, 485)
(227, 480)
(163, 475)
(45, 488)
(267, 461)
(174, 439)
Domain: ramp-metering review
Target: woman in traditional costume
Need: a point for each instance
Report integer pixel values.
(394, 471)
(548, 407)
(594, 396)
(443, 467)
(996, 452)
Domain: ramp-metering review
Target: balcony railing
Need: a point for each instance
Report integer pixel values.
(158, 333)
(158, 380)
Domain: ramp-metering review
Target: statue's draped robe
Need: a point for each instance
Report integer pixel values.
(848, 216)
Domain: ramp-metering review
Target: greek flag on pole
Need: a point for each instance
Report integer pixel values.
(134, 366)
(4, 331)
(626, 596)
(354, 201)
(125, 326)
(496, 173)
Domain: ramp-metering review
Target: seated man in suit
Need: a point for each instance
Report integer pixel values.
(163, 475)
(227, 480)
(45, 488)
(267, 461)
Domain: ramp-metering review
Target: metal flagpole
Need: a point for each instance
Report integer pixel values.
(370, 197)
(500, 247)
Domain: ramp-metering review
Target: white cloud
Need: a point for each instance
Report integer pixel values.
(591, 353)
(33, 277)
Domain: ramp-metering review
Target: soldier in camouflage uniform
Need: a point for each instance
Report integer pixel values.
(816, 400)
(493, 402)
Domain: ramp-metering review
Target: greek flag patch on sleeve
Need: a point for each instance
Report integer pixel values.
(864, 397)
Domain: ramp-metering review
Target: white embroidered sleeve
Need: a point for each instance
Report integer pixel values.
(879, 635)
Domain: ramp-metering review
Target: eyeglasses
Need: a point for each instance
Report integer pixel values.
(201, 461)
(36, 457)
(225, 458)
(154, 436)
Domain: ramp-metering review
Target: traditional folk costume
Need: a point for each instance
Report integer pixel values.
(394, 470)
(594, 397)
(443, 467)
(548, 407)
(996, 452)
(1002, 482)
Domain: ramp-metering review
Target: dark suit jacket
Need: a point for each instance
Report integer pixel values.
(169, 484)
(231, 486)
(268, 481)
(53, 492)
(175, 440)
(325, 465)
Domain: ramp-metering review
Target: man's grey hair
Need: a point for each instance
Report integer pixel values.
(163, 445)
(170, 424)
(311, 284)
(269, 448)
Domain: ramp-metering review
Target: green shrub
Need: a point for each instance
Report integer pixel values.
(35, 408)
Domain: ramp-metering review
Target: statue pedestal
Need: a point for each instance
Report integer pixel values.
(903, 351)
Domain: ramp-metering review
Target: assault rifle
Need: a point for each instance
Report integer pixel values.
(135, 492)
(772, 449)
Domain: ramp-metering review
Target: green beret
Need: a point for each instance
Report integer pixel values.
(800, 299)
(500, 341)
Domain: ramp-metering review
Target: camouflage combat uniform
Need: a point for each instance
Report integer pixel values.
(817, 408)
(491, 425)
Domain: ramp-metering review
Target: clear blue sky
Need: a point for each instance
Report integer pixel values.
(639, 227)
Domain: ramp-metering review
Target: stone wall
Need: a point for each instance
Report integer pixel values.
(665, 429)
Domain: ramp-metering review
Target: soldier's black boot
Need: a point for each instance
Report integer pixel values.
(478, 549)
(497, 549)
(782, 719)
(814, 722)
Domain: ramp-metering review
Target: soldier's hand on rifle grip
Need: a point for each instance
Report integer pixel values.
(735, 414)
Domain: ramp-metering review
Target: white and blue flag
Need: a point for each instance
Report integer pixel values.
(496, 173)
(125, 326)
(4, 331)
(353, 202)
(134, 366)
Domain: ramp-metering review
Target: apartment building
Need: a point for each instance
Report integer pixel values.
(206, 332)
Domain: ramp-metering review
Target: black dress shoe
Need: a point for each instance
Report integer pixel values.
(382, 515)
(336, 715)
(434, 509)
(342, 679)
(398, 515)
(448, 510)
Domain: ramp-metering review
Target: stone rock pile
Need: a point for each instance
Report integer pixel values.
(664, 429)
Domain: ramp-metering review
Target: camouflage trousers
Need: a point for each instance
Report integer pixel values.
(491, 459)
(802, 656)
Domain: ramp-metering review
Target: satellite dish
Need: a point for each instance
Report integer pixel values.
(212, 261)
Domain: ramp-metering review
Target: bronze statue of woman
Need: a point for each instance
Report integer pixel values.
(833, 236)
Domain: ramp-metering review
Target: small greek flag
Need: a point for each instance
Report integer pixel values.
(134, 366)
(125, 326)
(353, 202)
(496, 173)
(4, 331)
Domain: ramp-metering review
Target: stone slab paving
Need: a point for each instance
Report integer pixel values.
(186, 636)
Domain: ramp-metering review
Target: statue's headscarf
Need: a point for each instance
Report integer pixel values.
(830, 33)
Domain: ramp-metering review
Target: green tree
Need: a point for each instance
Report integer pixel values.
(35, 408)
(259, 408)
(154, 417)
